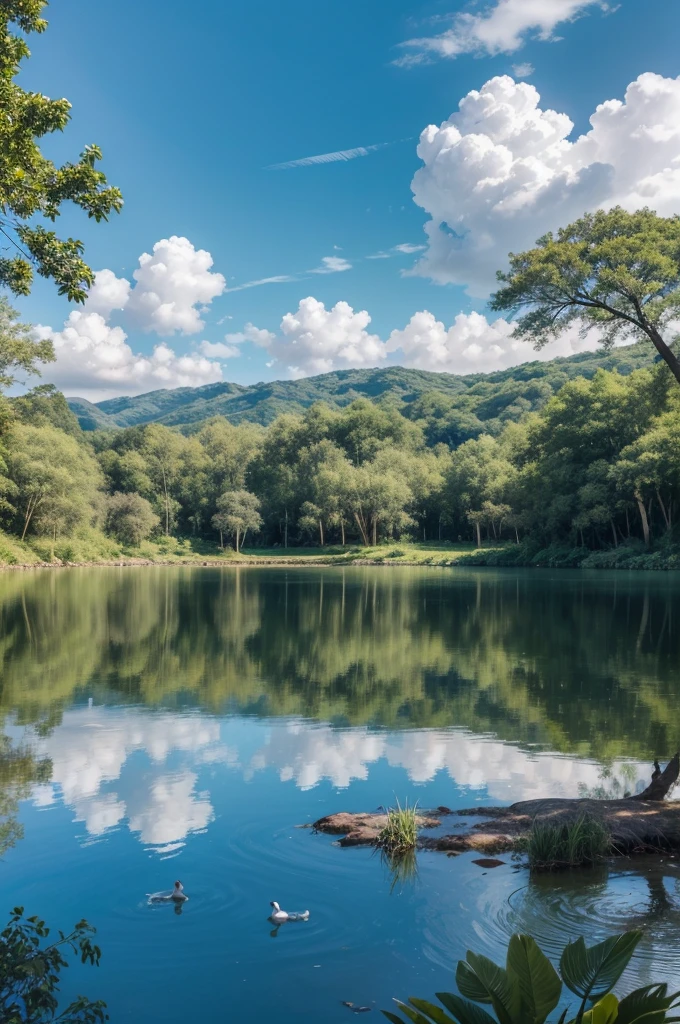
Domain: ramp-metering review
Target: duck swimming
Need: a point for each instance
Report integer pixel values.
(176, 894)
(279, 916)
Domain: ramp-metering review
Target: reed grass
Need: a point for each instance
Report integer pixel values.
(567, 845)
(400, 832)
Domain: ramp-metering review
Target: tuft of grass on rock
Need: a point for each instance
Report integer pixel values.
(400, 832)
(567, 845)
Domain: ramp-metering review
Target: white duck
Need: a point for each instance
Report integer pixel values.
(176, 894)
(279, 916)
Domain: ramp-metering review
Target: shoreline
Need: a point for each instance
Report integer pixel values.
(310, 561)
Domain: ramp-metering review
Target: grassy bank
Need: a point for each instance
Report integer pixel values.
(91, 547)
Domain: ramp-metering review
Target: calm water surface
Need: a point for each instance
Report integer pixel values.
(179, 723)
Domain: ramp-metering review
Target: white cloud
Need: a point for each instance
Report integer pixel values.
(107, 293)
(316, 340)
(473, 345)
(95, 362)
(408, 248)
(172, 288)
(502, 27)
(523, 70)
(329, 158)
(332, 265)
(170, 283)
(501, 171)
(219, 350)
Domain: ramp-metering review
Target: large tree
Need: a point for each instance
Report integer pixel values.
(33, 187)
(237, 512)
(615, 271)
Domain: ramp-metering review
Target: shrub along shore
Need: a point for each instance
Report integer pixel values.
(98, 550)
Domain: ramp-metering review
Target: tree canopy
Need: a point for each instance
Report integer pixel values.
(615, 271)
(33, 187)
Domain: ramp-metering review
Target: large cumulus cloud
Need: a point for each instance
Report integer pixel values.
(501, 171)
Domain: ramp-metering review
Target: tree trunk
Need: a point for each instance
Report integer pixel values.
(479, 534)
(167, 503)
(643, 517)
(440, 529)
(666, 515)
(627, 524)
(321, 532)
(616, 539)
(375, 531)
(517, 534)
(362, 529)
(663, 349)
(238, 532)
(221, 541)
(285, 535)
(342, 531)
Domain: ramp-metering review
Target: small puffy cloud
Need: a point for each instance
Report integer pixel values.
(107, 293)
(316, 340)
(523, 70)
(94, 361)
(332, 265)
(251, 333)
(502, 27)
(170, 283)
(501, 172)
(473, 345)
(218, 350)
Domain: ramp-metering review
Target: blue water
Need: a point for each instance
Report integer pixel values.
(187, 721)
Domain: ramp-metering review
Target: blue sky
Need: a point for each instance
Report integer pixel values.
(192, 110)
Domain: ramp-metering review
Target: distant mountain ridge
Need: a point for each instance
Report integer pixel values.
(263, 402)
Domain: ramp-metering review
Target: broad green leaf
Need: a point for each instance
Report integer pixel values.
(483, 981)
(603, 1012)
(392, 1017)
(435, 1013)
(648, 1004)
(590, 973)
(537, 980)
(412, 1014)
(464, 1011)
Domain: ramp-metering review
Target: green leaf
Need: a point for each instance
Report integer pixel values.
(649, 1004)
(392, 1017)
(603, 1012)
(590, 973)
(435, 1013)
(483, 981)
(464, 1011)
(537, 980)
(413, 1015)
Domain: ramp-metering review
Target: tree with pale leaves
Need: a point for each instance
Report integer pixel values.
(614, 271)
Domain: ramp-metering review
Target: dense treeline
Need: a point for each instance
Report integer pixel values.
(598, 466)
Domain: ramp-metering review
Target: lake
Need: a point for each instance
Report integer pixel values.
(180, 723)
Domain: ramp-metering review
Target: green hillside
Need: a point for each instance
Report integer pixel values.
(503, 395)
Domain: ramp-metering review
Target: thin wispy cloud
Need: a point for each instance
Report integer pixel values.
(330, 158)
(279, 279)
(404, 249)
(523, 70)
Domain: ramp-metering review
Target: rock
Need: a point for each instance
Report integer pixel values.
(362, 829)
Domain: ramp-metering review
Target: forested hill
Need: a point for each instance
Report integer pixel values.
(503, 395)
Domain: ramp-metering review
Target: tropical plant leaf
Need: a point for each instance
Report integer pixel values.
(603, 1012)
(464, 1011)
(483, 981)
(411, 1013)
(435, 1013)
(648, 1004)
(591, 973)
(535, 977)
(392, 1017)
